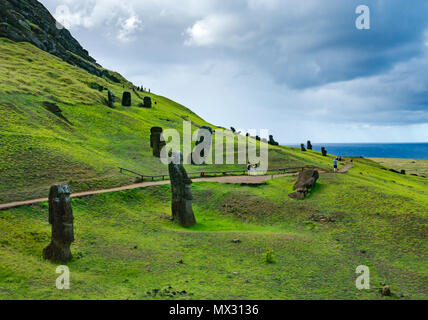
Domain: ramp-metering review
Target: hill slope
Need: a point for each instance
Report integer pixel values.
(39, 149)
(127, 247)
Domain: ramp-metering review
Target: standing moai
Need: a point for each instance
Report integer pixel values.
(272, 141)
(155, 141)
(302, 147)
(111, 99)
(201, 138)
(126, 99)
(324, 152)
(147, 102)
(61, 218)
(181, 192)
(309, 145)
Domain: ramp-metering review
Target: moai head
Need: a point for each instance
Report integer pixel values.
(126, 99)
(309, 145)
(147, 102)
(155, 141)
(61, 218)
(302, 147)
(110, 99)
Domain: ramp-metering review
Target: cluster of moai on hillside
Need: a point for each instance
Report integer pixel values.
(309, 147)
(127, 100)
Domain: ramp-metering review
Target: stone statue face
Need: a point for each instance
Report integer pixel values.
(63, 190)
(177, 157)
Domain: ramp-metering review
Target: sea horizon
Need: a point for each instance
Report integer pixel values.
(398, 150)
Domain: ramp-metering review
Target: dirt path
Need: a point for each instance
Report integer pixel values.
(346, 168)
(244, 180)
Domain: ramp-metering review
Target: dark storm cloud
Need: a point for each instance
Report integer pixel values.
(292, 59)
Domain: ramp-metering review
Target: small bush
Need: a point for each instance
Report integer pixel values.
(268, 256)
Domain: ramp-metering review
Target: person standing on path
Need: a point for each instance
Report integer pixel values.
(335, 163)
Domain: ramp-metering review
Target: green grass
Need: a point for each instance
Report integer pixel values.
(38, 149)
(126, 245)
(412, 166)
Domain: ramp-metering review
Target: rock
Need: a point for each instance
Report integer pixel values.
(200, 139)
(29, 21)
(182, 211)
(385, 291)
(403, 172)
(155, 141)
(236, 241)
(147, 102)
(302, 147)
(111, 98)
(324, 152)
(126, 99)
(52, 107)
(61, 218)
(306, 181)
(309, 145)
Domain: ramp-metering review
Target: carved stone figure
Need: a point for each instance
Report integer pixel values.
(324, 152)
(155, 141)
(306, 181)
(61, 218)
(302, 147)
(272, 141)
(181, 192)
(110, 99)
(309, 145)
(147, 102)
(126, 99)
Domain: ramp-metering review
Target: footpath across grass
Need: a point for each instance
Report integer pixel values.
(128, 248)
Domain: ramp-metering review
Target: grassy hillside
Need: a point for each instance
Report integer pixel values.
(127, 248)
(419, 167)
(38, 149)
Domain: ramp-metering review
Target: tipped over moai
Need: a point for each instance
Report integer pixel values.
(61, 218)
(182, 211)
(155, 141)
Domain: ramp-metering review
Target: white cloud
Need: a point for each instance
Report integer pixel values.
(128, 28)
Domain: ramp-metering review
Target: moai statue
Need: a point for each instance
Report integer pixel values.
(110, 99)
(155, 141)
(201, 139)
(147, 102)
(309, 145)
(272, 141)
(324, 152)
(126, 99)
(61, 218)
(181, 192)
(302, 147)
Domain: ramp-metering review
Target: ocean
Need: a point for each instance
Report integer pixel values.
(376, 150)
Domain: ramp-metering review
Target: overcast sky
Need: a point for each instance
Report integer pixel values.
(298, 68)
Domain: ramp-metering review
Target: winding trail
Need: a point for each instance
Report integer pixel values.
(243, 180)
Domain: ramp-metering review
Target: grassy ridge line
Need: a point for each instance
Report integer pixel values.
(38, 149)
